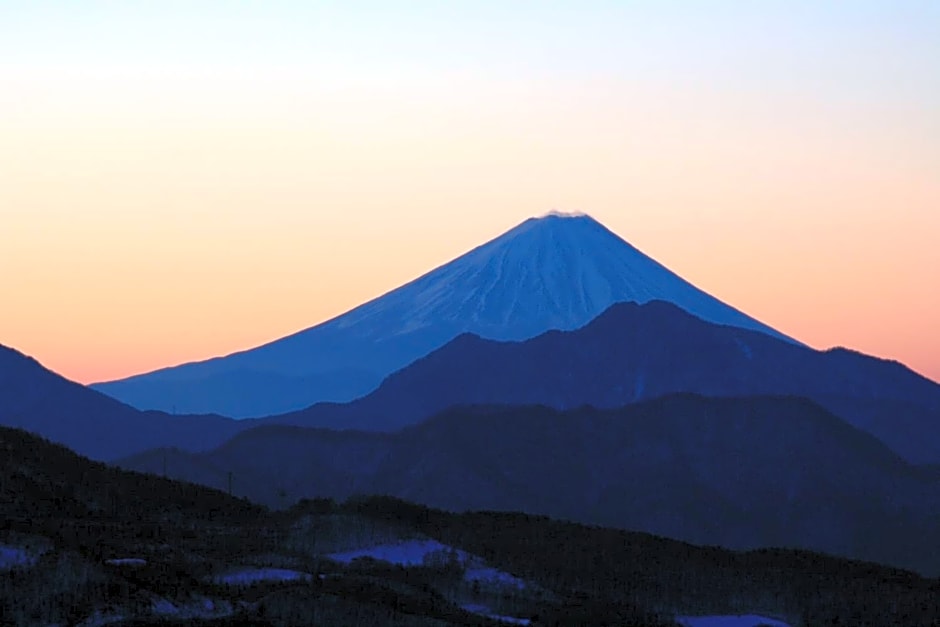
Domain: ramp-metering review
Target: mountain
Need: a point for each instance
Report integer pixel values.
(636, 352)
(41, 481)
(82, 543)
(736, 472)
(554, 272)
(89, 422)
(805, 588)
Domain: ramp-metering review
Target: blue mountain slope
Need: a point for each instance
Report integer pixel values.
(636, 352)
(554, 272)
(89, 422)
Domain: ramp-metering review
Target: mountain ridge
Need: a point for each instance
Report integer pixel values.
(91, 423)
(635, 352)
(617, 359)
(551, 272)
(739, 472)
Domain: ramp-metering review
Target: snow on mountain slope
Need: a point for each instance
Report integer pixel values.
(554, 272)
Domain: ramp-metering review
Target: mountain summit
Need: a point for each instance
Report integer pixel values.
(554, 272)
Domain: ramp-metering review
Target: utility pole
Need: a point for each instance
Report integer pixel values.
(230, 483)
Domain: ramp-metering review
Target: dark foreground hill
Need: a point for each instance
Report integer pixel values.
(738, 472)
(636, 352)
(620, 566)
(132, 549)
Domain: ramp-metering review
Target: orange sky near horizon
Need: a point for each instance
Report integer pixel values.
(167, 203)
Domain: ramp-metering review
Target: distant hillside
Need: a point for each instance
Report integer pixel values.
(639, 352)
(738, 472)
(89, 422)
(630, 353)
(124, 548)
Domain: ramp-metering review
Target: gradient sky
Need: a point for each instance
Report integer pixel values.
(180, 180)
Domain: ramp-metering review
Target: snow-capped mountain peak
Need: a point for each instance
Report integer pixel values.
(557, 271)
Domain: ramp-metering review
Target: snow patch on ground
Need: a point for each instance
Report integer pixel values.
(482, 610)
(406, 553)
(99, 619)
(163, 607)
(430, 552)
(486, 574)
(13, 556)
(748, 620)
(249, 576)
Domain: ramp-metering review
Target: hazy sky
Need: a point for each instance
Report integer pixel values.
(184, 179)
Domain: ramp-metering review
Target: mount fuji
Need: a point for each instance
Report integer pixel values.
(558, 271)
